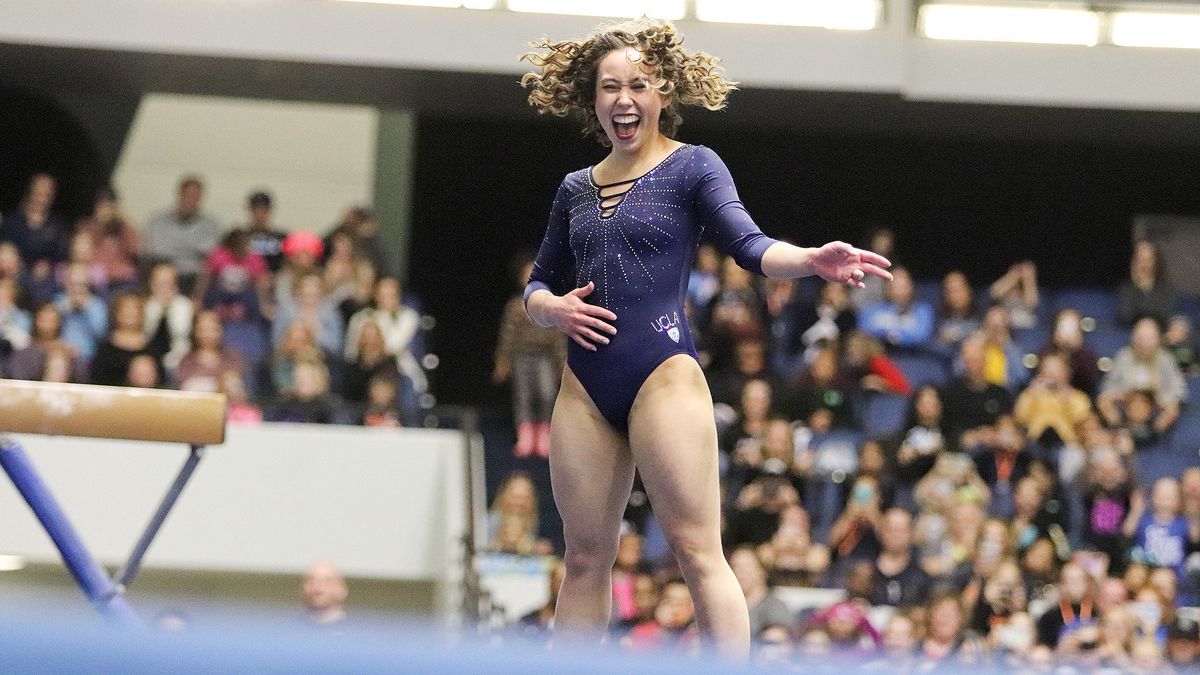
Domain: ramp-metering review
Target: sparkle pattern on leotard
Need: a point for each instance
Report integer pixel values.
(636, 239)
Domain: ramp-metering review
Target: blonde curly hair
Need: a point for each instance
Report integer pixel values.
(566, 78)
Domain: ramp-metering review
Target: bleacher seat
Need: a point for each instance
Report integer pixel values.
(1160, 461)
(1189, 306)
(1107, 341)
(929, 292)
(1184, 439)
(921, 368)
(881, 414)
(1099, 304)
(1030, 340)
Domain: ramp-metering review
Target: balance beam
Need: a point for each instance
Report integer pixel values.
(123, 413)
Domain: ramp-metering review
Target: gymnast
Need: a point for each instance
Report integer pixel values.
(611, 273)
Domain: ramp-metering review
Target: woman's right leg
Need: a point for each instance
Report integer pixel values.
(591, 471)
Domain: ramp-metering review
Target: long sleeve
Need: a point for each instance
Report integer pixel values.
(722, 213)
(554, 267)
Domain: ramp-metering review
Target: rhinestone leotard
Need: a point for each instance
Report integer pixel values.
(638, 247)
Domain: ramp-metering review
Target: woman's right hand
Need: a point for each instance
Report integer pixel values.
(585, 324)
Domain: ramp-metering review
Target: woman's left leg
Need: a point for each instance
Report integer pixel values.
(673, 438)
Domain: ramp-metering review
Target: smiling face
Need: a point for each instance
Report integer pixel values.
(627, 104)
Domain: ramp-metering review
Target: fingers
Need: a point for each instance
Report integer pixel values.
(593, 336)
(869, 268)
(873, 258)
(584, 291)
(583, 343)
(598, 311)
(600, 325)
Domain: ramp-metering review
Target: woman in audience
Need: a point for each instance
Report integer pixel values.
(866, 368)
(947, 639)
(516, 498)
(15, 323)
(30, 363)
(1146, 367)
(1017, 292)
(852, 536)
(235, 281)
(203, 368)
(399, 324)
(1051, 409)
(1003, 360)
(957, 316)
(308, 401)
(791, 556)
(169, 314)
(114, 239)
(918, 447)
(298, 344)
(125, 341)
(311, 307)
(1067, 340)
(1145, 294)
(372, 360)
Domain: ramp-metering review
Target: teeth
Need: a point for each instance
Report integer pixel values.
(626, 119)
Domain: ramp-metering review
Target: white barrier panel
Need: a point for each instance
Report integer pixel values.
(381, 503)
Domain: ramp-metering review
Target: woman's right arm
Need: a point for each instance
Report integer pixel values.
(550, 299)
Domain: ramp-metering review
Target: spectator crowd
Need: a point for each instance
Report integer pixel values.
(291, 326)
(920, 476)
(915, 475)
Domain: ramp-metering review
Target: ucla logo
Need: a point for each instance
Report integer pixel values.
(669, 324)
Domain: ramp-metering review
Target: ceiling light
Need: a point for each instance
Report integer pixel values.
(996, 23)
(1147, 29)
(838, 14)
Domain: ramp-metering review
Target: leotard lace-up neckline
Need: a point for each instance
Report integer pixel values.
(607, 204)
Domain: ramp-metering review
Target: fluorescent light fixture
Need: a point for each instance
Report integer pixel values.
(1156, 29)
(11, 563)
(997, 23)
(659, 9)
(469, 4)
(837, 14)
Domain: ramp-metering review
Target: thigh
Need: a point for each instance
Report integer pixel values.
(591, 468)
(673, 438)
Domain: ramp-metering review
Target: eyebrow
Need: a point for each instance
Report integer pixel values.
(609, 78)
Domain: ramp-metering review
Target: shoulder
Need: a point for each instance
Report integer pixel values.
(576, 181)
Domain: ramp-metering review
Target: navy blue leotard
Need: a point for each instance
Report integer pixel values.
(638, 247)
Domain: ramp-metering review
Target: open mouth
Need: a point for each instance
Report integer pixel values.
(626, 126)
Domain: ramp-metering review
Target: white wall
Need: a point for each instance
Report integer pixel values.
(315, 159)
(891, 60)
(381, 503)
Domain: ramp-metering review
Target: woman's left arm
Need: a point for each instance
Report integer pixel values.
(836, 261)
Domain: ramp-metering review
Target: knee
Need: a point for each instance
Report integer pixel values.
(589, 558)
(696, 552)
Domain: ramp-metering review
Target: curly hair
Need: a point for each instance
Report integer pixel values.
(566, 77)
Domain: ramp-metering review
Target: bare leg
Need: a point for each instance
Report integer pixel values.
(591, 471)
(674, 442)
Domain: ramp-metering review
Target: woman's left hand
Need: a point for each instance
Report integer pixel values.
(840, 262)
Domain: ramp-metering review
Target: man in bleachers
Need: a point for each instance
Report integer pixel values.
(266, 240)
(39, 233)
(899, 579)
(971, 402)
(324, 591)
(84, 316)
(901, 320)
(184, 235)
